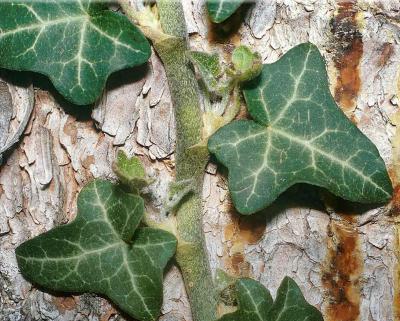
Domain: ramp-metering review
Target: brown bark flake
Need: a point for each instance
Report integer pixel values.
(70, 129)
(386, 53)
(64, 304)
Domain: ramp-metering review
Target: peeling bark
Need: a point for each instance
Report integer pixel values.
(345, 257)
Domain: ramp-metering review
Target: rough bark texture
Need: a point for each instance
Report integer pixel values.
(345, 257)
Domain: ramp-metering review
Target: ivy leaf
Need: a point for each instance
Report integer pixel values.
(299, 135)
(103, 251)
(290, 304)
(220, 10)
(130, 172)
(256, 304)
(209, 68)
(247, 64)
(76, 43)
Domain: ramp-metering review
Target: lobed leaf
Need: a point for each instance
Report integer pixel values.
(76, 43)
(220, 10)
(299, 135)
(255, 303)
(130, 172)
(209, 68)
(290, 304)
(103, 251)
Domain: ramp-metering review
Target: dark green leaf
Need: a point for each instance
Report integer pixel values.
(103, 251)
(299, 136)
(290, 305)
(220, 10)
(76, 43)
(255, 303)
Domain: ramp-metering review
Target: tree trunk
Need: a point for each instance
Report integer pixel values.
(345, 257)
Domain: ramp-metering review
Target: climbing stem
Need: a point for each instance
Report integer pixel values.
(191, 253)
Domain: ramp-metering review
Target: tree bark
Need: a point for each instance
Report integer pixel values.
(345, 257)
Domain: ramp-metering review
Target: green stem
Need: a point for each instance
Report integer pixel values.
(192, 255)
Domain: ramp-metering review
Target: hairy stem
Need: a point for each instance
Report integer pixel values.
(191, 160)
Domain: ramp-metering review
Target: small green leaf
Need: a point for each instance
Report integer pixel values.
(177, 192)
(76, 43)
(256, 304)
(207, 63)
(246, 63)
(220, 10)
(209, 68)
(103, 251)
(299, 135)
(130, 172)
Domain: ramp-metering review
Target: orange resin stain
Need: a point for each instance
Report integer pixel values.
(242, 231)
(396, 298)
(343, 269)
(395, 205)
(395, 215)
(348, 54)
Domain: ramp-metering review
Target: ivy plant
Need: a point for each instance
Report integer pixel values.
(103, 251)
(255, 303)
(297, 134)
(76, 43)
